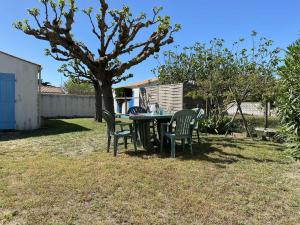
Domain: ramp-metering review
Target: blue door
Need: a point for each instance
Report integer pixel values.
(7, 101)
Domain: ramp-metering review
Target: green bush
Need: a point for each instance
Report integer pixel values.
(288, 101)
(208, 125)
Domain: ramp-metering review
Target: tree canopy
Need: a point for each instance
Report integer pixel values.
(221, 74)
(79, 88)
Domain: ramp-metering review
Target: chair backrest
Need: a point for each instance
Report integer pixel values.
(136, 109)
(107, 112)
(184, 119)
(110, 121)
(197, 110)
(200, 113)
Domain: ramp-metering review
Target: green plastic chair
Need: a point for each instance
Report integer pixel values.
(184, 120)
(196, 122)
(112, 132)
(136, 109)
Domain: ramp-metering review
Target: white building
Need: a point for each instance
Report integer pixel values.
(136, 94)
(19, 93)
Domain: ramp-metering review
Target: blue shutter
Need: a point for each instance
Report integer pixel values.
(7, 101)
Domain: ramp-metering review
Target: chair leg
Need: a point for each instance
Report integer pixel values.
(198, 136)
(115, 145)
(108, 142)
(183, 144)
(173, 146)
(125, 143)
(190, 141)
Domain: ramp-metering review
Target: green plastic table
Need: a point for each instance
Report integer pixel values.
(141, 124)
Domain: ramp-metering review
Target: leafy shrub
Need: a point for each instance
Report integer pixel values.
(289, 98)
(209, 125)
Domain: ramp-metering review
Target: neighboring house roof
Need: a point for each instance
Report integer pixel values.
(51, 90)
(24, 60)
(143, 83)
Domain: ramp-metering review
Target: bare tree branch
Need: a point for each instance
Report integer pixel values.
(105, 68)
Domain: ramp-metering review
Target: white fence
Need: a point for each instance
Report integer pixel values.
(67, 106)
(169, 97)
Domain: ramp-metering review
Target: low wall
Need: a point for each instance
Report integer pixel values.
(251, 108)
(67, 106)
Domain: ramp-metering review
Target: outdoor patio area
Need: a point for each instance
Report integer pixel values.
(62, 174)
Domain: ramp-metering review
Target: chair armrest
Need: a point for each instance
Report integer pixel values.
(123, 124)
(192, 128)
(164, 125)
(119, 123)
(117, 115)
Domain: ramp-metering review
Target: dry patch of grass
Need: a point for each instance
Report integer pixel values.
(62, 175)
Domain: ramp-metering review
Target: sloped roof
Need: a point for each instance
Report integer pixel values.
(142, 83)
(51, 90)
(24, 60)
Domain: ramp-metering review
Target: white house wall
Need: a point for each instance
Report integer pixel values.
(136, 96)
(26, 91)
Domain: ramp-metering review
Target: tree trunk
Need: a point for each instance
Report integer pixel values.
(266, 115)
(98, 102)
(231, 121)
(108, 99)
(244, 119)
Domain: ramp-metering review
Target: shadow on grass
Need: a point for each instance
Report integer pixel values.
(210, 150)
(242, 143)
(50, 127)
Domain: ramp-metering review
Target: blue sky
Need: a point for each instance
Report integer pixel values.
(201, 20)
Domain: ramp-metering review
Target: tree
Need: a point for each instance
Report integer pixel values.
(252, 72)
(83, 88)
(222, 75)
(115, 30)
(288, 100)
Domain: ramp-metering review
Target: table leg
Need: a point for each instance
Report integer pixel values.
(144, 130)
(137, 133)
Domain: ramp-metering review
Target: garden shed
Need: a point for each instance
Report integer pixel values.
(19, 93)
(171, 97)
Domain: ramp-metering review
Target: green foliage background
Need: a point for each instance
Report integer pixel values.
(289, 98)
(123, 92)
(78, 88)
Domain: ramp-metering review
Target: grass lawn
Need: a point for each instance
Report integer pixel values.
(63, 175)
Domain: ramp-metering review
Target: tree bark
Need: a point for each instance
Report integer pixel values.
(244, 119)
(231, 121)
(266, 115)
(98, 102)
(108, 99)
